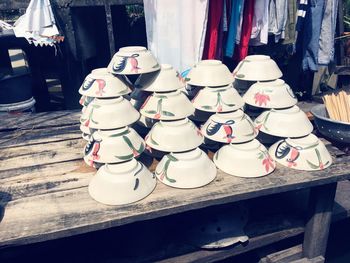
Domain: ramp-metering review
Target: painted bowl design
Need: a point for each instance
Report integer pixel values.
(218, 99)
(235, 127)
(272, 94)
(123, 183)
(186, 170)
(133, 60)
(306, 153)
(167, 106)
(250, 159)
(209, 73)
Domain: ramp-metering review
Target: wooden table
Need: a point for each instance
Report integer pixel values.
(43, 192)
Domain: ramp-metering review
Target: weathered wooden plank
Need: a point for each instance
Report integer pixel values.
(287, 255)
(318, 259)
(318, 221)
(73, 211)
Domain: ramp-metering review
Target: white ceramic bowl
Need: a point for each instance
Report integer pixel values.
(114, 146)
(102, 84)
(250, 159)
(86, 132)
(235, 127)
(167, 79)
(209, 73)
(174, 136)
(85, 100)
(186, 170)
(272, 94)
(123, 183)
(290, 122)
(109, 114)
(218, 99)
(133, 60)
(167, 106)
(257, 68)
(306, 153)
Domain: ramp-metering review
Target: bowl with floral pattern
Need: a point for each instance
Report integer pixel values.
(289, 122)
(122, 183)
(211, 73)
(257, 68)
(102, 84)
(114, 146)
(86, 132)
(306, 153)
(85, 100)
(167, 106)
(133, 60)
(229, 127)
(218, 99)
(190, 169)
(174, 136)
(166, 79)
(271, 94)
(109, 113)
(249, 159)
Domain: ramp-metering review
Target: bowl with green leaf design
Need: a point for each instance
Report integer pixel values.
(109, 113)
(249, 159)
(133, 60)
(229, 127)
(114, 146)
(257, 68)
(209, 73)
(102, 84)
(306, 153)
(218, 99)
(86, 132)
(174, 136)
(85, 101)
(190, 169)
(289, 122)
(122, 183)
(167, 106)
(271, 94)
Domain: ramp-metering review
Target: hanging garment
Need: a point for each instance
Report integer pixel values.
(328, 27)
(239, 25)
(248, 13)
(237, 8)
(213, 27)
(302, 9)
(311, 34)
(260, 29)
(290, 31)
(176, 31)
(278, 14)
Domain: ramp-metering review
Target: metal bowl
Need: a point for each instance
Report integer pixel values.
(334, 130)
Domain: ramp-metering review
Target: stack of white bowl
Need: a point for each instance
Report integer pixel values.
(114, 145)
(242, 155)
(185, 165)
(300, 149)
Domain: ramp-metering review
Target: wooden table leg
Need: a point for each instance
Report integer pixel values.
(318, 220)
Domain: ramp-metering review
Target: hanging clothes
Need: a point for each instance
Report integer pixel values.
(213, 29)
(290, 31)
(172, 40)
(248, 13)
(278, 14)
(239, 25)
(260, 29)
(236, 11)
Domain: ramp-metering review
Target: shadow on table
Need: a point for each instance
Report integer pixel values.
(4, 199)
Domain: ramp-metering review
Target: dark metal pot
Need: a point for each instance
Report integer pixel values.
(15, 88)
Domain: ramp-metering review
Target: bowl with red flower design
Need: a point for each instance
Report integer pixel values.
(114, 146)
(209, 73)
(271, 94)
(102, 84)
(174, 136)
(122, 183)
(166, 79)
(249, 159)
(190, 169)
(290, 122)
(257, 68)
(109, 113)
(85, 101)
(229, 127)
(86, 132)
(133, 60)
(167, 106)
(306, 153)
(218, 99)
